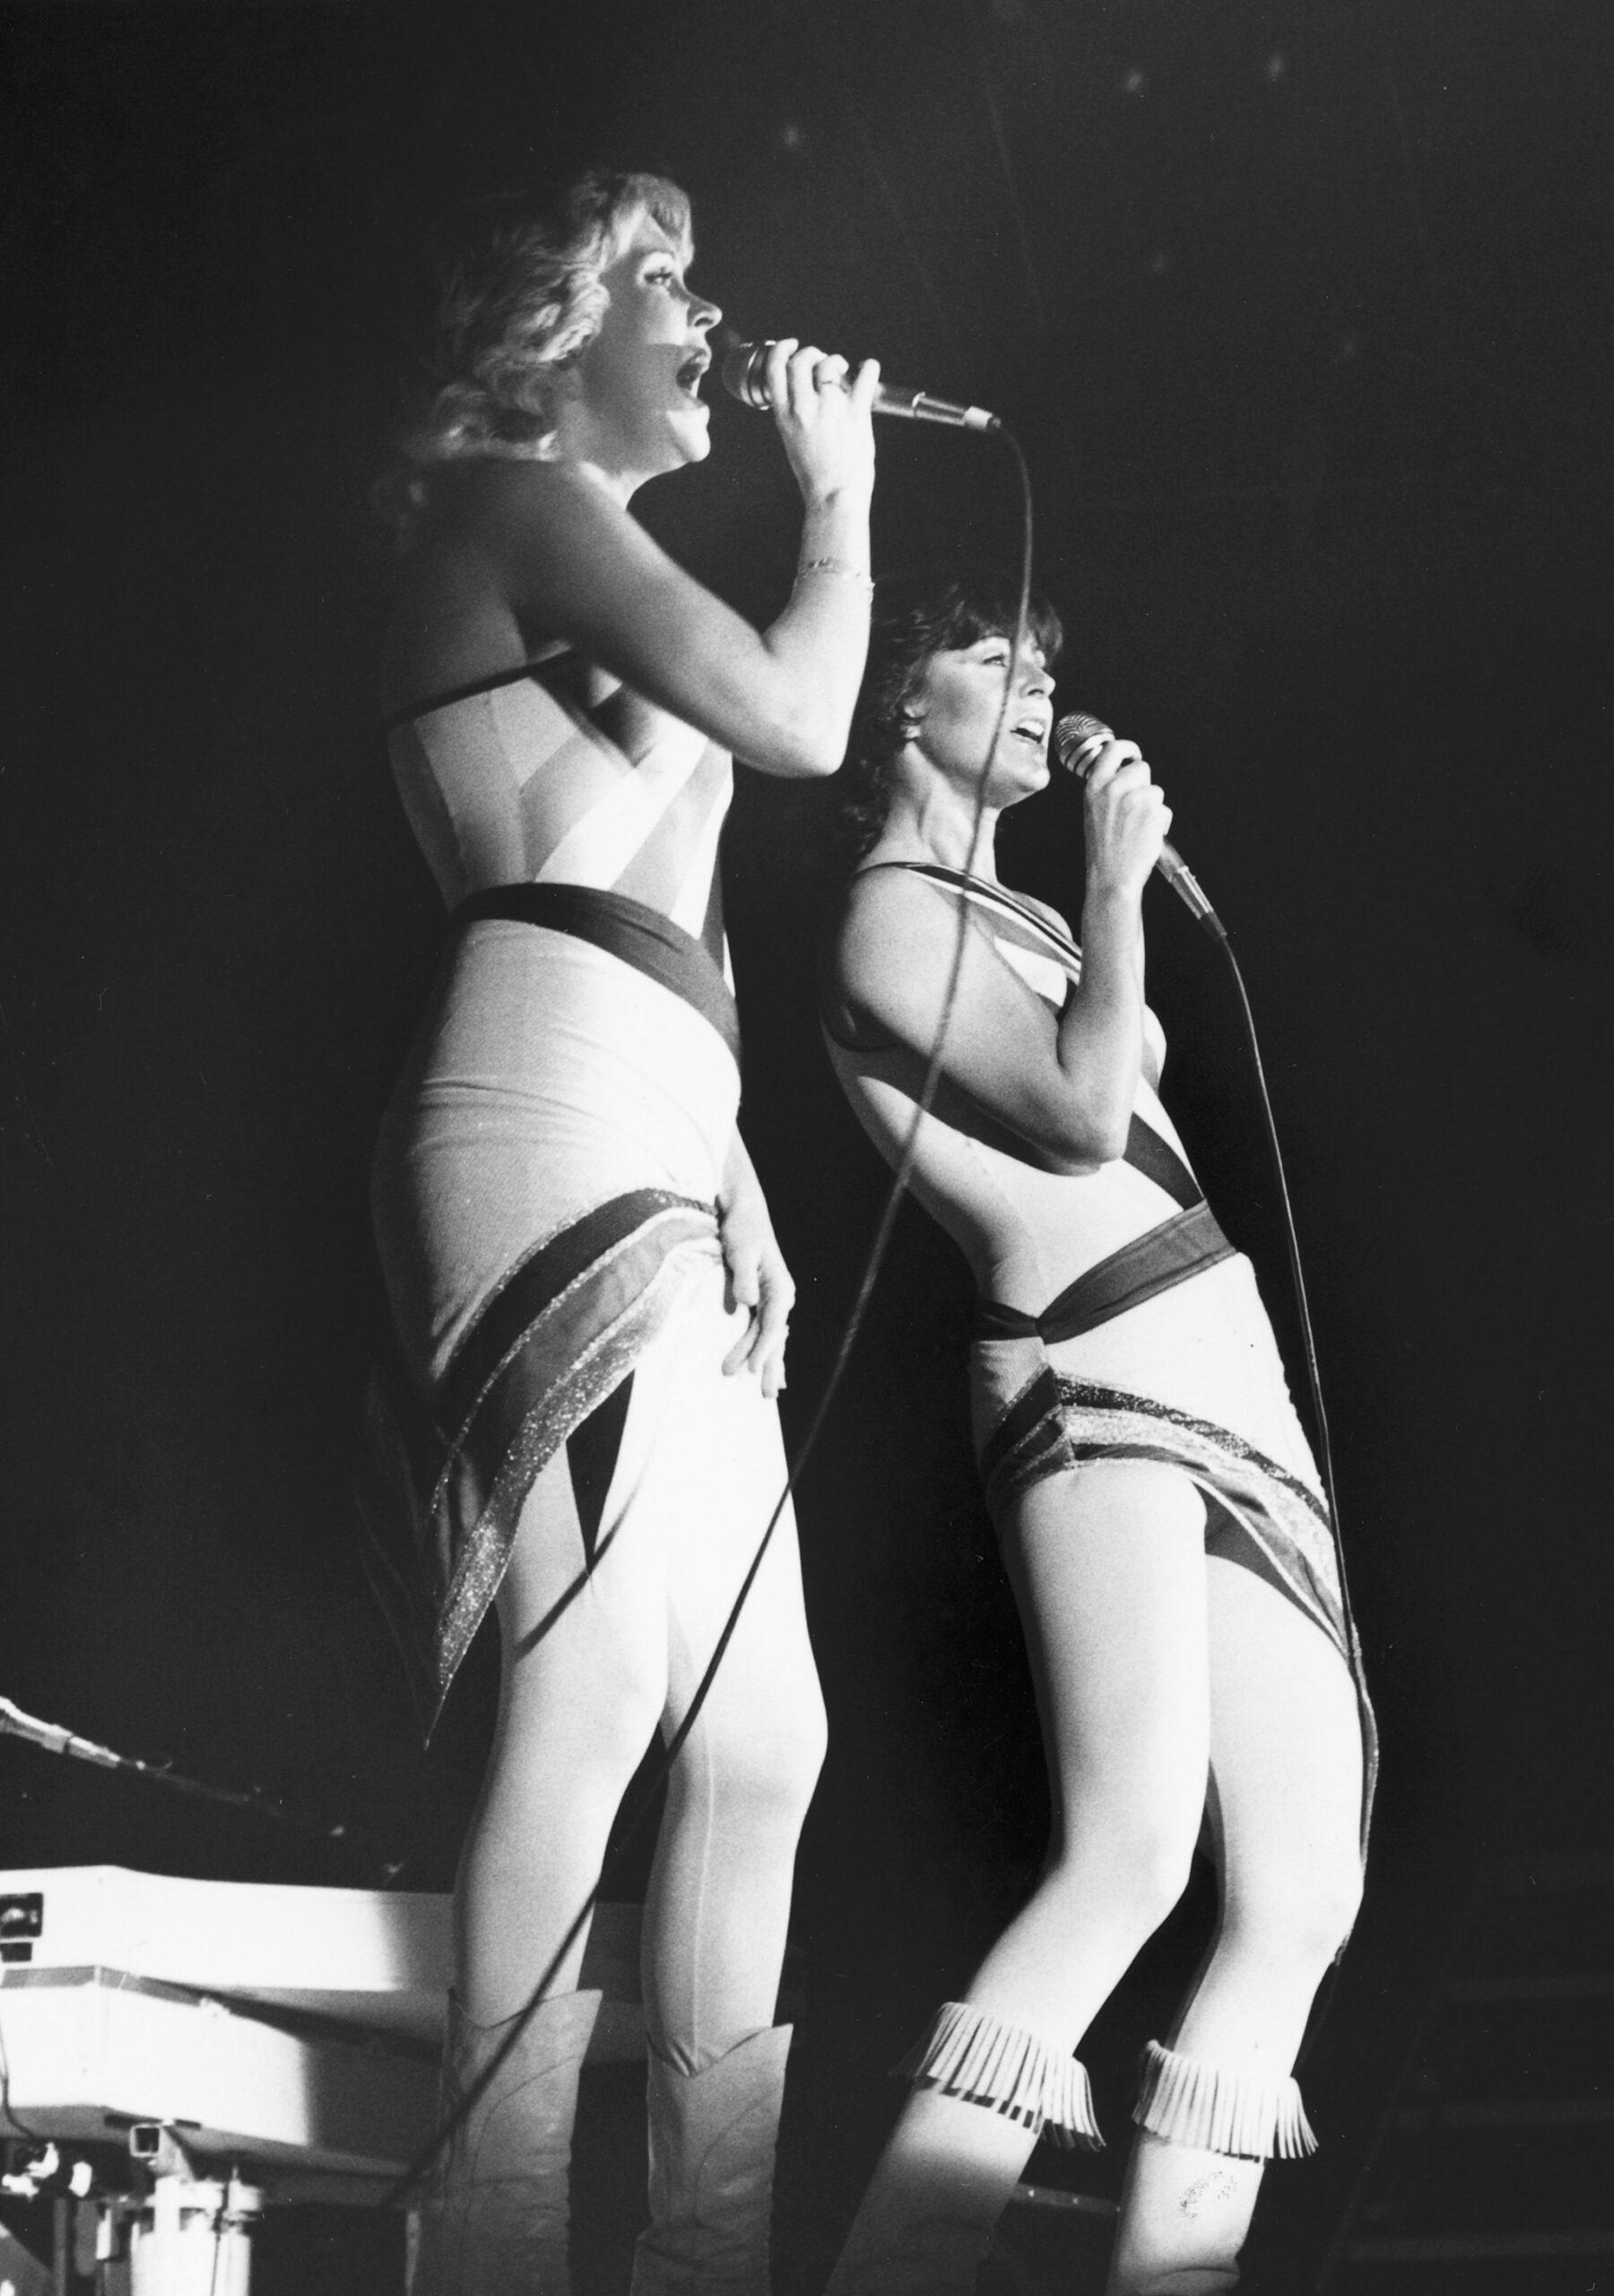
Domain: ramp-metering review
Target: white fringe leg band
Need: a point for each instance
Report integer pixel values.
(969, 2054)
(1221, 2108)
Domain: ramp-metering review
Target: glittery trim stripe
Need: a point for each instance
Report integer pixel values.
(566, 1327)
(576, 1351)
(1057, 1425)
(969, 2054)
(1081, 1396)
(535, 1282)
(1221, 2108)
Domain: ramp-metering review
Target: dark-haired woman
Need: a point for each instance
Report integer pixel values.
(1159, 1511)
(589, 1304)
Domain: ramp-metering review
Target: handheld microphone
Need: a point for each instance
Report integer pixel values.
(1077, 732)
(744, 372)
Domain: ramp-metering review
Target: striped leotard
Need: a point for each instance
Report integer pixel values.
(1115, 1319)
(558, 773)
(548, 1169)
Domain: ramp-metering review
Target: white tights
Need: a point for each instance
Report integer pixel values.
(1160, 1674)
(698, 1471)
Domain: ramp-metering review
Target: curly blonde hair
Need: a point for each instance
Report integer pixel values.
(519, 295)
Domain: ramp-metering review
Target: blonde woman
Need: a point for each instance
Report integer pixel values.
(589, 1304)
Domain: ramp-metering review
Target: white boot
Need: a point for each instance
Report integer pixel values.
(1206, 2134)
(712, 2140)
(496, 2220)
(942, 2182)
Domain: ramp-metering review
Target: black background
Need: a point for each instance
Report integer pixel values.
(1301, 312)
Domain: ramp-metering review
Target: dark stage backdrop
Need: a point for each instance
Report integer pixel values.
(1300, 311)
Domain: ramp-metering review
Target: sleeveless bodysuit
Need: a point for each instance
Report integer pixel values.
(546, 1176)
(1116, 1320)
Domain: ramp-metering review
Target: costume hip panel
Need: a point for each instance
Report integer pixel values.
(549, 1076)
(1202, 1349)
(545, 1196)
(1191, 1378)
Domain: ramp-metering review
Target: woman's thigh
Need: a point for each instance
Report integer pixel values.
(713, 1482)
(581, 1608)
(1108, 1568)
(613, 1601)
(1286, 1755)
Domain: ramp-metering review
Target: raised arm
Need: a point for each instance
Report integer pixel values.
(570, 558)
(1065, 1082)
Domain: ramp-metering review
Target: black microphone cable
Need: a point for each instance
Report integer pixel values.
(1324, 1999)
(1313, 1376)
(443, 2135)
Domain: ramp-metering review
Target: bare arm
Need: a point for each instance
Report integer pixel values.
(571, 560)
(1066, 1082)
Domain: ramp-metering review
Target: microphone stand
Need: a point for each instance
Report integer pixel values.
(53, 1738)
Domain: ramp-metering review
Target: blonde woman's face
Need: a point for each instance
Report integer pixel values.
(640, 380)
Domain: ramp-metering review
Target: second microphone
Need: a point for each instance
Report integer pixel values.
(1076, 732)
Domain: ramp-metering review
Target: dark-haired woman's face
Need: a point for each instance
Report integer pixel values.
(639, 380)
(957, 704)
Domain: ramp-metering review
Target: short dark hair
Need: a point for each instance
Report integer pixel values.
(917, 615)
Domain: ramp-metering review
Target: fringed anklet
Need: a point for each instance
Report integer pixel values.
(969, 2054)
(1221, 2108)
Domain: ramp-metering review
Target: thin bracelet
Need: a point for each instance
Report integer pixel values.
(841, 567)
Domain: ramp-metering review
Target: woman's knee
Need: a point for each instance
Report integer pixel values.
(762, 1761)
(594, 1719)
(1137, 1860)
(1301, 1910)
(777, 1766)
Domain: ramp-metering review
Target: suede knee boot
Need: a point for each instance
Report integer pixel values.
(926, 2221)
(1206, 2134)
(496, 2220)
(712, 2141)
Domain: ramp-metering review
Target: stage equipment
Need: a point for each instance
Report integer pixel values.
(744, 372)
(191, 2052)
(53, 1738)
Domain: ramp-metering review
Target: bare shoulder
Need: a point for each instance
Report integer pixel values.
(892, 920)
(495, 486)
(891, 896)
(520, 513)
(507, 555)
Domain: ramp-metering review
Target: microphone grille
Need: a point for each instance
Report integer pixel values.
(1071, 734)
(744, 372)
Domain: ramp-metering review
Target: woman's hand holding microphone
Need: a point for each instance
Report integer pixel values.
(1126, 815)
(825, 422)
